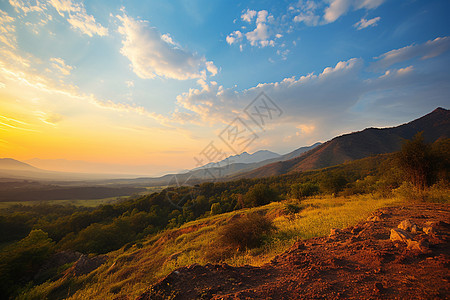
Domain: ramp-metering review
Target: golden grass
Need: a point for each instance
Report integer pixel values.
(131, 272)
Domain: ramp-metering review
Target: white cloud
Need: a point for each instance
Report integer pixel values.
(307, 13)
(234, 37)
(60, 65)
(426, 50)
(332, 88)
(262, 16)
(338, 8)
(87, 24)
(248, 15)
(262, 35)
(26, 6)
(363, 23)
(153, 55)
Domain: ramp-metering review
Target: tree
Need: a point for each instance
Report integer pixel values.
(303, 190)
(259, 194)
(216, 209)
(333, 183)
(415, 160)
(20, 261)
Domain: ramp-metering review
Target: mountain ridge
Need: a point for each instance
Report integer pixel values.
(360, 144)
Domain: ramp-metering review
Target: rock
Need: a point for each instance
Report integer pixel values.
(334, 231)
(415, 245)
(85, 265)
(374, 219)
(405, 225)
(430, 227)
(400, 235)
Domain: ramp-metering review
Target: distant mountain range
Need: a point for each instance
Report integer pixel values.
(243, 158)
(369, 142)
(347, 147)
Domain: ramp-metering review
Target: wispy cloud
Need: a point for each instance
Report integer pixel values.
(7, 30)
(426, 50)
(363, 23)
(74, 12)
(60, 65)
(338, 8)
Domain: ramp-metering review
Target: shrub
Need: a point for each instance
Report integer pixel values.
(247, 232)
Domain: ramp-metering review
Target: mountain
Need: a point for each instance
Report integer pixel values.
(243, 158)
(12, 164)
(369, 142)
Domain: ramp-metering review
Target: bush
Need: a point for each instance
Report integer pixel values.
(247, 232)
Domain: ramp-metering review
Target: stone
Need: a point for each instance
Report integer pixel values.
(400, 235)
(417, 245)
(405, 225)
(334, 231)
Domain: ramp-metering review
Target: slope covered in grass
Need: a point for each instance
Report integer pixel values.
(129, 272)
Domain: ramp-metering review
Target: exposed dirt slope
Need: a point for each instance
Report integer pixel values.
(360, 262)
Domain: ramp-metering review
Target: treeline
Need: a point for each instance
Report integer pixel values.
(109, 227)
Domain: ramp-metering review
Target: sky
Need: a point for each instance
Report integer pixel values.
(149, 87)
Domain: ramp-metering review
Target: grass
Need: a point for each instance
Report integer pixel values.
(133, 271)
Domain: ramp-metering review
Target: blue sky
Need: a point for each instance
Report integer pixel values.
(152, 83)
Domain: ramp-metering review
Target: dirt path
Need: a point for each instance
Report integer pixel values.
(359, 262)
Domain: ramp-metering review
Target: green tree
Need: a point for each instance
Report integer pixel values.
(20, 261)
(216, 209)
(333, 183)
(303, 190)
(415, 160)
(259, 194)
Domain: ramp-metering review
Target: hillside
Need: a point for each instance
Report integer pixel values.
(369, 142)
(363, 261)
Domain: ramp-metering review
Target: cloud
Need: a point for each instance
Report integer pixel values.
(87, 24)
(430, 49)
(320, 106)
(75, 13)
(234, 37)
(215, 104)
(7, 30)
(153, 55)
(248, 15)
(60, 65)
(363, 23)
(26, 6)
(338, 8)
(262, 35)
